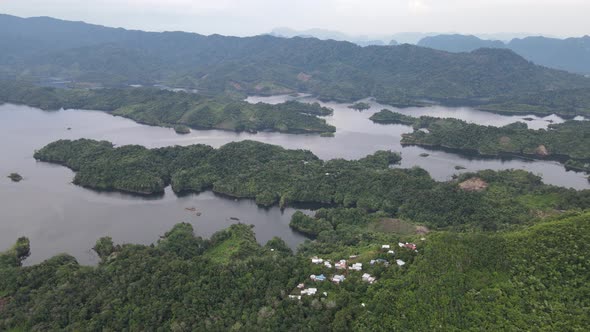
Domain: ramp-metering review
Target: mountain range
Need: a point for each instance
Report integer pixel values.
(571, 54)
(41, 48)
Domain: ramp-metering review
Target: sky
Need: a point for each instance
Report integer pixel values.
(562, 18)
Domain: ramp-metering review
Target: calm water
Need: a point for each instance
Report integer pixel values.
(60, 217)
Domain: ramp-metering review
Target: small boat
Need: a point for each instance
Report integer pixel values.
(192, 209)
(234, 218)
(199, 214)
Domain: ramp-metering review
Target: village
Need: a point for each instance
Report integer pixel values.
(340, 270)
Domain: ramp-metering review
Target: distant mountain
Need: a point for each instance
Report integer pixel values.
(325, 35)
(459, 43)
(571, 54)
(38, 48)
(411, 37)
(19, 36)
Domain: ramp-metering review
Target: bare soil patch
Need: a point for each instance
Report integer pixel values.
(541, 150)
(505, 140)
(473, 184)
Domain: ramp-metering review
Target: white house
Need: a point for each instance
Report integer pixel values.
(328, 264)
(316, 260)
(321, 277)
(295, 297)
(309, 291)
(368, 278)
(338, 278)
(341, 265)
(356, 267)
(391, 252)
(385, 246)
(400, 262)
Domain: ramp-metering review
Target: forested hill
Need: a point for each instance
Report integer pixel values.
(333, 70)
(534, 278)
(180, 109)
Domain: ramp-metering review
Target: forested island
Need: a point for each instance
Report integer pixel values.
(386, 116)
(272, 175)
(174, 109)
(182, 130)
(529, 277)
(360, 106)
(566, 142)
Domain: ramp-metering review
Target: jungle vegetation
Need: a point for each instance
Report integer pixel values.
(360, 106)
(567, 142)
(273, 175)
(532, 277)
(159, 107)
(386, 116)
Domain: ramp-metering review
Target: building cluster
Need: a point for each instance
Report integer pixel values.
(343, 265)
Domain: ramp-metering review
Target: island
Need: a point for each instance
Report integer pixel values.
(566, 142)
(15, 177)
(174, 109)
(360, 106)
(386, 116)
(182, 130)
(272, 175)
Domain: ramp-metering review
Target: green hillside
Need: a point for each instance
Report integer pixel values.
(169, 109)
(530, 278)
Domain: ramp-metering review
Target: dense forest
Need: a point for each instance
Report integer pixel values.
(567, 142)
(273, 175)
(533, 277)
(386, 116)
(387, 249)
(167, 108)
(41, 48)
(565, 103)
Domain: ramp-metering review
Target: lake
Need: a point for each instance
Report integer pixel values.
(60, 217)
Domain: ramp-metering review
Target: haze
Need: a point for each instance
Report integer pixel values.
(561, 18)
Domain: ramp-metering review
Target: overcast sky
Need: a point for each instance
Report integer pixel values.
(369, 17)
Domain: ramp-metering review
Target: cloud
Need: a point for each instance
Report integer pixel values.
(371, 17)
(418, 7)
